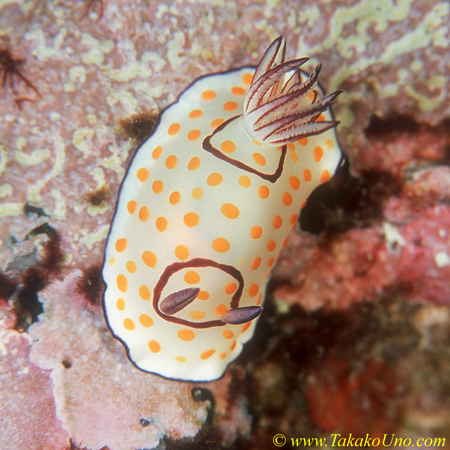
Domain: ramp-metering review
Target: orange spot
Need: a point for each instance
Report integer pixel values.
(329, 143)
(291, 146)
(195, 114)
(230, 288)
(142, 174)
(221, 309)
(129, 324)
(294, 183)
(285, 242)
(194, 163)
(230, 211)
(208, 95)
(233, 345)
(256, 232)
(253, 290)
(181, 252)
(221, 245)
(216, 122)
(180, 359)
(197, 315)
(227, 334)
(271, 245)
(228, 146)
(193, 135)
(171, 161)
(131, 266)
(143, 214)
(121, 245)
(307, 175)
(230, 106)
(149, 258)
(191, 219)
(154, 346)
(247, 78)
(157, 152)
(324, 176)
(191, 277)
(321, 118)
(246, 327)
(122, 283)
(222, 355)
(303, 141)
(157, 186)
(318, 153)
(207, 354)
(303, 204)
(270, 262)
(244, 181)
(120, 304)
(144, 292)
(145, 320)
(277, 222)
(131, 206)
(259, 159)
(161, 223)
(294, 219)
(203, 295)
(287, 199)
(263, 192)
(256, 263)
(186, 335)
(293, 156)
(197, 193)
(214, 179)
(173, 129)
(237, 90)
(256, 142)
(174, 198)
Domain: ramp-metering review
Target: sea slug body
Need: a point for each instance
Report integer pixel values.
(205, 208)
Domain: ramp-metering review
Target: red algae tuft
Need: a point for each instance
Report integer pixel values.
(138, 126)
(350, 391)
(90, 285)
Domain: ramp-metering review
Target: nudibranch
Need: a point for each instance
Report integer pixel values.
(205, 208)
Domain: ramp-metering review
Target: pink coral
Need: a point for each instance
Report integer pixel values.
(26, 393)
(97, 390)
(406, 248)
(362, 265)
